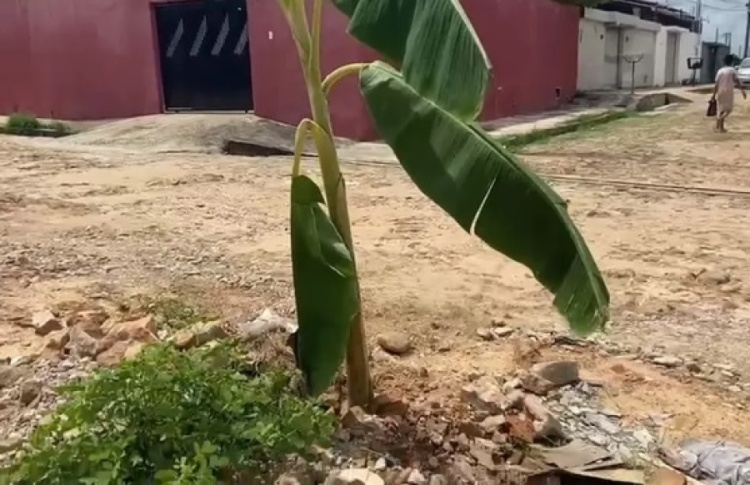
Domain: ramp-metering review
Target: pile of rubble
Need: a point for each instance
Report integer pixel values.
(497, 425)
(75, 342)
(541, 418)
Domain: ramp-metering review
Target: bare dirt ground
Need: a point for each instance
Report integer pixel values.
(93, 218)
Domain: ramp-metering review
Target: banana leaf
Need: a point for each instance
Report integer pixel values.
(488, 192)
(325, 287)
(433, 42)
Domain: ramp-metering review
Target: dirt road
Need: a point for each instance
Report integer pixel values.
(106, 220)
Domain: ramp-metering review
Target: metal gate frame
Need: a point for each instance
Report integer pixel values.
(159, 49)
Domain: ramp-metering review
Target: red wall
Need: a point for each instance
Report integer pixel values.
(78, 59)
(533, 47)
(95, 59)
(532, 44)
(278, 87)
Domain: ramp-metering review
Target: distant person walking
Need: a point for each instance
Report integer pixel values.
(726, 81)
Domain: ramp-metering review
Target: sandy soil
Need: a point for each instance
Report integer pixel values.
(105, 219)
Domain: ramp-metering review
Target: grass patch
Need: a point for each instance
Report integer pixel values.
(29, 125)
(171, 417)
(176, 313)
(583, 123)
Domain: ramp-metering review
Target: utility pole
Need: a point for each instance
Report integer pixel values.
(728, 40)
(747, 29)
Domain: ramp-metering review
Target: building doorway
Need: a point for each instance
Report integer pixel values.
(205, 56)
(670, 73)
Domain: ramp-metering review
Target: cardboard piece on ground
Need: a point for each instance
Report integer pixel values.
(667, 476)
(617, 476)
(575, 454)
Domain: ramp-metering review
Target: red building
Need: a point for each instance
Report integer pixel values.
(99, 59)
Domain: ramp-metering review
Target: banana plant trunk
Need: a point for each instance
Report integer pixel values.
(359, 384)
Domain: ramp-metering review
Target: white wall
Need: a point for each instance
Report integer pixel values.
(660, 57)
(591, 36)
(637, 37)
(637, 41)
(687, 46)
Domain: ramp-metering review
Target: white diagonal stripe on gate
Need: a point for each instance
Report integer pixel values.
(176, 37)
(199, 38)
(222, 38)
(242, 41)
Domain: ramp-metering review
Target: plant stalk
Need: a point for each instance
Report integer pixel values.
(357, 362)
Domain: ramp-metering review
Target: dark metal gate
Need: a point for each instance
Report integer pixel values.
(205, 58)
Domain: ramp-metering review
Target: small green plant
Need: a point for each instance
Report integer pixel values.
(176, 313)
(22, 124)
(60, 128)
(28, 125)
(423, 98)
(170, 417)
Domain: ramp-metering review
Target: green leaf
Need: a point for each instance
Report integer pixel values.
(488, 192)
(325, 287)
(434, 43)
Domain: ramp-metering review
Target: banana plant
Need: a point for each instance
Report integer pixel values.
(425, 109)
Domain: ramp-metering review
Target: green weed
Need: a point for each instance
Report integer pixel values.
(170, 417)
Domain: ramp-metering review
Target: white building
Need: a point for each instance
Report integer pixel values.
(609, 40)
(674, 45)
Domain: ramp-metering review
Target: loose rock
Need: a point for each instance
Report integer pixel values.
(559, 373)
(141, 330)
(501, 332)
(485, 395)
(536, 384)
(485, 334)
(354, 476)
(9, 375)
(667, 476)
(546, 425)
(89, 321)
(10, 444)
(396, 343)
(45, 322)
(29, 391)
(267, 322)
(714, 277)
(81, 343)
(184, 339)
(56, 341)
(438, 480)
(462, 469)
(416, 478)
(667, 361)
(492, 423)
(359, 423)
(209, 332)
(390, 405)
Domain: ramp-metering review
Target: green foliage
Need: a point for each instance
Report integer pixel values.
(325, 279)
(60, 128)
(176, 313)
(28, 125)
(170, 417)
(434, 44)
(22, 124)
(476, 181)
(425, 108)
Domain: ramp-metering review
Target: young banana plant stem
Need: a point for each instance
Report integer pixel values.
(358, 370)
